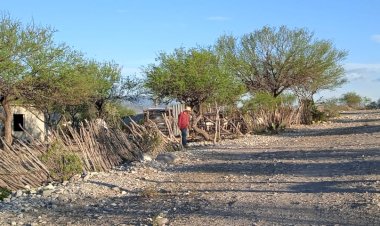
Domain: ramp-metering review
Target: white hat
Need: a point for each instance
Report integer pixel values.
(188, 108)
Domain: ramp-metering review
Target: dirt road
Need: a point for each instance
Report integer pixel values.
(324, 174)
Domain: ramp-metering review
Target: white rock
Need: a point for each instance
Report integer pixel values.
(161, 221)
(146, 158)
(49, 187)
(116, 188)
(46, 193)
(85, 178)
(18, 193)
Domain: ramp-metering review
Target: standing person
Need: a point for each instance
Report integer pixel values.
(183, 124)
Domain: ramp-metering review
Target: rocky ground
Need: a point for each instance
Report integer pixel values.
(324, 174)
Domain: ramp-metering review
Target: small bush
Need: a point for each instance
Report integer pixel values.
(352, 99)
(318, 116)
(269, 114)
(373, 105)
(151, 140)
(4, 193)
(61, 163)
(331, 108)
(114, 111)
(265, 101)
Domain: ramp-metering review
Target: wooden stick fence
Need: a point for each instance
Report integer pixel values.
(19, 166)
(99, 148)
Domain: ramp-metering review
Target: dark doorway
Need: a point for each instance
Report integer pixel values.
(18, 122)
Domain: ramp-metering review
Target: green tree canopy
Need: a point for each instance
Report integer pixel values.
(192, 76)
(352, 99)
(274, 60)
(25, 52)
(34, 70)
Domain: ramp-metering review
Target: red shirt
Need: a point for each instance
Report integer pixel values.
(183, 120)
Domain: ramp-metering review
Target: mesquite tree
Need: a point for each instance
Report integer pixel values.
(193, 77)
(51, 77)
(26, 51)
(274, 60)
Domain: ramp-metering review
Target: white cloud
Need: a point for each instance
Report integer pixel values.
(366, 72)
(363, 79)
(376, 38)
(218, 18)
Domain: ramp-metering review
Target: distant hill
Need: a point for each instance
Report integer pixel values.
(142, 103)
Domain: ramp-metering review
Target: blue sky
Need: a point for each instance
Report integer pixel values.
(133, 32)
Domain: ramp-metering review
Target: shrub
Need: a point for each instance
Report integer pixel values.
(317, 115)
(114, 112)
(270, 114)
(331, 108)
(352, 100)
(373, 105)
(61, 163)
(4, 193)
(152, 141)
(265, 101)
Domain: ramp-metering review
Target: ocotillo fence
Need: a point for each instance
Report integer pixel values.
(99, 148)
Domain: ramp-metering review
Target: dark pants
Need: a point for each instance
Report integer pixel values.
(184, 136)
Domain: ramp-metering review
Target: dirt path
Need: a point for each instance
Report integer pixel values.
(326, 174)
(329, 174)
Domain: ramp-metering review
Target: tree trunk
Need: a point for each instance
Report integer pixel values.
(99, 104)
(306, 107)
(7, 120)
(198, 130)
(217, 124)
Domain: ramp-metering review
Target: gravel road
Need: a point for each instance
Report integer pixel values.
(323, 174)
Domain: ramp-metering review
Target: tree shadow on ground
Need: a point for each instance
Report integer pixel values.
(363, 112)
(110, 186)
(355, 120)
(363, 129)
(307, 155)
(131, 209)
(311, 163)
(354, 186)
(336, 186)
(138, 211)
(294, 169)
(277, 214)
